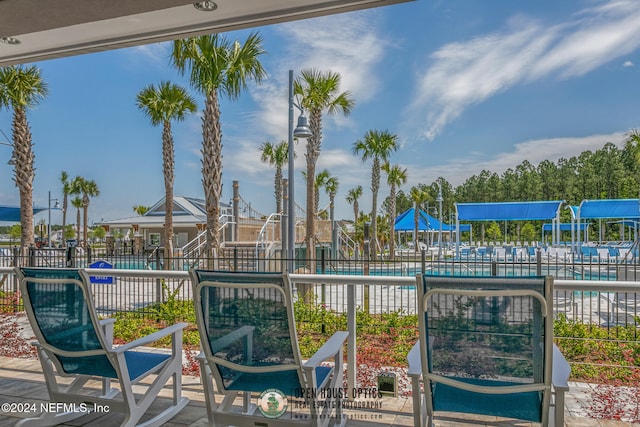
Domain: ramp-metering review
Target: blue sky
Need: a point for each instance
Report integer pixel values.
(466, 85)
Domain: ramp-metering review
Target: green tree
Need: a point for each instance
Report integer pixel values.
(164, 104)
(396, 176)
(22, 88)
(76, 202)
(276, 155)
(353, 197)
(494, 232)
(320, 92)
(331, 185)
(15, 232)
(216, 67)
(376, 146)
(528, 232)
(99, 233)
(86, 189)
(66, 190)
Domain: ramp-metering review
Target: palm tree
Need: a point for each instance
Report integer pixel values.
(276, 155)
(216, 67)
(320, 93)
(163, 104)
(86, 189)
(353, 196)
(396, 176)
(77, 203)
(22, 88)
(141, 210)
(378, 146)
(330, 185)
(418, 196)
(66, 190)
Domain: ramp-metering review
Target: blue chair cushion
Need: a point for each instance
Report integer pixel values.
(285, 381)
(138, 363)
(524, 406)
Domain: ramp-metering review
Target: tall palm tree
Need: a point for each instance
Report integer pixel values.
(86, 189)
(140, 209)
(216, 67)
(377, 146)
(163, 104)
(418, 197)
(76, 202)
(22, 88)
(353, 196)
(396, 176)
(320, 93)
(276, 155)
(66, 190)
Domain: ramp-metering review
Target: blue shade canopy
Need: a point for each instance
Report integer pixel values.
(12, 213)
(614, 208)
(405, 222)
(508, 211)
(563, 226)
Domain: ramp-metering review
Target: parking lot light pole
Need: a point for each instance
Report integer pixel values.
(57, 206)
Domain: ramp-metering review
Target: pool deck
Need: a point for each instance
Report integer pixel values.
(21, 381)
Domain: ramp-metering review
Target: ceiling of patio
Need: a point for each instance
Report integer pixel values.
(33, 30)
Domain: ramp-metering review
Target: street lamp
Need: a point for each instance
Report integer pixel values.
(57, 206)
(301, 131)
(439, 200)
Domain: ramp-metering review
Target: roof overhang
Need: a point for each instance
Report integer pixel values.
(53, 29)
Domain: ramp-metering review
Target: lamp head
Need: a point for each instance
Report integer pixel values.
(302, 130)
(57, 205)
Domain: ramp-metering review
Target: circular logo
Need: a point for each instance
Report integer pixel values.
(272, 403)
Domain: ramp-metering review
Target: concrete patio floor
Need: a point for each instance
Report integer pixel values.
(21, 381)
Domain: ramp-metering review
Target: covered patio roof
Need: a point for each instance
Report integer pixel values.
(33, 30)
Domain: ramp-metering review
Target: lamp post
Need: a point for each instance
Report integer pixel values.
(57, 206)
(301, 131)
(439, 200)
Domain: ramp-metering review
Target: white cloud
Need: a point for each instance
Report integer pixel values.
(628, 64)
(349, 44)
(462, 74)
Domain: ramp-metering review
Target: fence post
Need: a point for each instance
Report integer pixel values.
(158, 281)
(494, 268)
(367, 248)
(70, 256)
(235, 258)
(539, 262)
(88, 255)
(323, 287)
(32, 256)
(423, 262)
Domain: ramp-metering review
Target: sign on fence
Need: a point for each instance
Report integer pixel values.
(101, 279)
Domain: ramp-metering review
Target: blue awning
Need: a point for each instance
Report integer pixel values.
(613, 208)
(508, 211)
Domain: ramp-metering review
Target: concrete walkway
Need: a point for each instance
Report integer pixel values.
(21, 381)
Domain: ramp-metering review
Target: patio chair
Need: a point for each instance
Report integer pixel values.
(624, 308)
(250, 349)
(497, 364)
(73, 342)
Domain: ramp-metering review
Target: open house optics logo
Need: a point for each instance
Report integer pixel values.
(272, 403)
